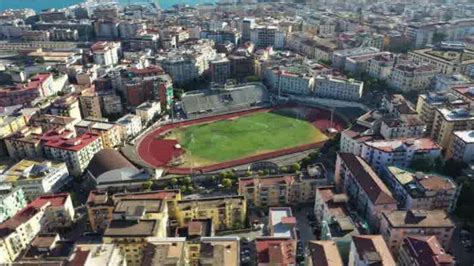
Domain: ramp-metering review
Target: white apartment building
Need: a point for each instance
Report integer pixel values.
(399, 152)
(36, 177)
(265, 36)
(12, 200)
(404, 126)
(421, 191)
(106, 53)
(412, 77)
(148, 110)
(131, 125)
(336, 88)
(75, 152)
(380, 66)
(462, 146)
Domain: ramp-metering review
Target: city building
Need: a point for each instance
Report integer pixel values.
(36, 177)
(11, 124)
(133, 221)
(428, 103)
(366, 192)
(380, 66)
(337, 88)
(26, 143)
(269, 35)
(275, 251)
(399, 152)
(100, 204)
(423, 250)
(411, 77)
(329, 205)
(447, 61)
(166, 251)
(397, 225)
(220, 69)
(148, 111)
(60, 212)
(323, 252)
(76, 152)
(280, 190)
(449, 120)
(110, 134)
(220, 251)
(418, 190)
(370, 250)
(131, 125)
(90, 103)
(106, 53)
(97, 254)
(66, 106)
(50, 122)
(226, 212)
(462, 146)
(12, 200)
(281, 222)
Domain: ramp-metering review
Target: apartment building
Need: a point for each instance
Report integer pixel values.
(449, 120)
(36, 177)
(60, 212)
(380, 66)
(11, 124)
(447, 61)
(110, 134)
(411, 77)
(353, 138)
(403, 126)
(133, 221)
(338, 88)
(226, 212)
(48, 122)
(25, 143)
(220, 251)
(397, 225)
(12, 200)
(364, 188)
(100, 204)
(268, 35)
(97, 254)
(220, 69)
(106, 53)
(166, 251)
(422, 250)
(90, 103)
(66, 106)
(370, 250)
(329, 205)
(464, 92)
(281, 222)
(340, 57)
(323, 252)
(462, 146)
(131, 125)
(275, 251)
(418, 190)
(399, 152)
(428, 103)
(76, 152)
(280, 190)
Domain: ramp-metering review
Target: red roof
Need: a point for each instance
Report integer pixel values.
(55, 200)
(61, 140)
(276, 250)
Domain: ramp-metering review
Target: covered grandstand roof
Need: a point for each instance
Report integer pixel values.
(224, 99)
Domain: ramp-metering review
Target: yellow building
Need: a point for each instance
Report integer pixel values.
(11, 124)
(25, 143)
(90, 103)
(166, 251)
(133, 221)
(449, 120)
(111, 134)
(447, 61)
(225, 212)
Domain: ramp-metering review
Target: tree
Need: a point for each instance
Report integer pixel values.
(439, 37)
(453, 167)
(295, 167)
(422, 164)
(227, 183)
(187, 180)
(173, 181)
(147, 185)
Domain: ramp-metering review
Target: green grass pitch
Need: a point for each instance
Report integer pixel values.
(245, 136)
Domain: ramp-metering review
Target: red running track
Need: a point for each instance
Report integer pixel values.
(159, 152)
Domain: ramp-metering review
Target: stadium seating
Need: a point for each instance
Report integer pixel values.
(224, 100)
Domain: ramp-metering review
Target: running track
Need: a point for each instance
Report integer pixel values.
(159, 152)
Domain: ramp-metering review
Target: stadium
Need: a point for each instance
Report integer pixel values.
(226, 127)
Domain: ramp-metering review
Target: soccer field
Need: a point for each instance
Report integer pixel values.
(244, 136)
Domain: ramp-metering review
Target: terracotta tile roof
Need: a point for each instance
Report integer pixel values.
(373, 249)
(376, 190)
(324, 253)
(427, 251)
(276, 251)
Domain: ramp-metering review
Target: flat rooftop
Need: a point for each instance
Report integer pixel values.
(131, 228)
(282, 222)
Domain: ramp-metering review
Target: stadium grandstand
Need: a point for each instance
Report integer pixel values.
(220, 100)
